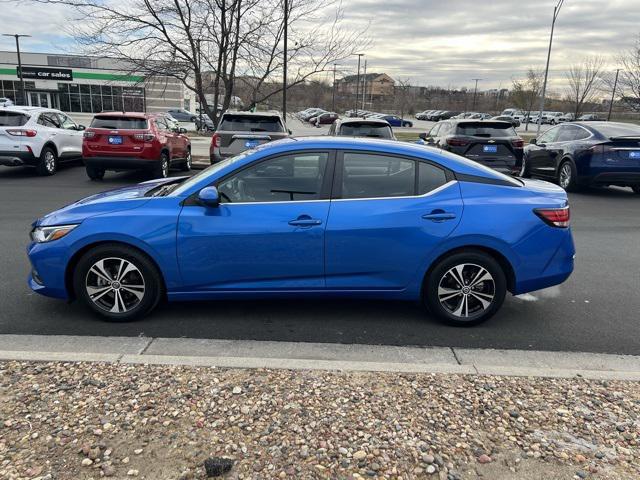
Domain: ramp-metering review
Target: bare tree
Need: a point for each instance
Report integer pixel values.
(404, 96)
(585, 80)
(628, 88)
(525, 92)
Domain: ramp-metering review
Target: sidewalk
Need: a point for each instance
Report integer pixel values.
(80, 408)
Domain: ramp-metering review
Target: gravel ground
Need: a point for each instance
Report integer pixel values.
(93, 420)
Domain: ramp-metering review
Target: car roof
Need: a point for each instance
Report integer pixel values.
(127, 114)
(253, 114)
(371, 121)
(24, 109)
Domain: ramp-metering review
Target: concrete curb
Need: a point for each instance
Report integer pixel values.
(318, 356)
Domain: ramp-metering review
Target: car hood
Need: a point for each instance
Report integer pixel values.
(124, 198)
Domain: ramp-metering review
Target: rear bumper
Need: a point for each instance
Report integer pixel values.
(120, 163)
(625, 179)
(17, 159)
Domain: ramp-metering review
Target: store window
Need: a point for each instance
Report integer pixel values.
(89, 98)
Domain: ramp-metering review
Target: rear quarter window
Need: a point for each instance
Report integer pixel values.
(13, 119)
(486, 130)
(119, 123)
(251, 123)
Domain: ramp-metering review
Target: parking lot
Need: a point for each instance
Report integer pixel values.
(595, 310)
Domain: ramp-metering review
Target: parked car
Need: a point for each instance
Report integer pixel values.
(510, 112)
(207, 124)
(371, 128)
(182, 115)
(491, 143)
(551, 118)
(478, 116)
(423, 115)
(38, 137)
(265, 225)
(515, 123)
(433, 115)
(396, 121)
(567, 117)
(444, 115)
(240, 131)
(591, 117)
(579, 154)
(134, 141)
(314, 112)
(6, 102)
(326, 118)
(171, 122)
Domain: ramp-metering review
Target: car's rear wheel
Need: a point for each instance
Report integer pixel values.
(466, 288)
(524, 169)
(95, 173)
(567, 176)
(636, 189)
(48, 163)
(118, 282)
(186, 165)
(161, 170)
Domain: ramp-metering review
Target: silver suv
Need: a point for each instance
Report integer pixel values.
(240, 131)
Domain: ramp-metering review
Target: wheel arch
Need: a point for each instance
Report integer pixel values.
(50, 144)
(503, 261)
(75, 258)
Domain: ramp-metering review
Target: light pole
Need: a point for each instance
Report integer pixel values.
(284, 69)
(358, 83)
(333, 93)
(364, 83)
(556, 12)
(17, 37)
(613, 94)
(475, 91)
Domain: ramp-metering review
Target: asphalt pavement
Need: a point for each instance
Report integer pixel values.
(596, 310)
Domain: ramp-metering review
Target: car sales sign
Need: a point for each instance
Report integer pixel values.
(41, 73)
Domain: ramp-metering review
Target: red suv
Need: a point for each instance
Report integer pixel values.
(134, 141)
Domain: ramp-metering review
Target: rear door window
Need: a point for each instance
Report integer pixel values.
(251, 123)
(364, 129)
(486, 129)
(119, 123)
(13, 119)
(366, 175)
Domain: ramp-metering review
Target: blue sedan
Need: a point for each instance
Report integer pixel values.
(396, 121)
(323, 216)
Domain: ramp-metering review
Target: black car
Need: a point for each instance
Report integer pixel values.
(371, 128)
(594, 153)
(515, 123)
(492, 143)
(444, 115)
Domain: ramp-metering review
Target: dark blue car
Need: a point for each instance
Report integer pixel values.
(396, 121)
(320, 217)
(580, 154)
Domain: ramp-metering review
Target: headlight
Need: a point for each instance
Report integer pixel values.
(48, 234)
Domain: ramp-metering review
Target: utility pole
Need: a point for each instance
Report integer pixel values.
(20, 76)
(284, 69)
(475, 91)
(364, 83)
(200, 99)
(556, 12)
(358, 83)
(613, 94)
(333, 94)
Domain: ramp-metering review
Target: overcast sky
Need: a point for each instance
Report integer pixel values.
(439, 42)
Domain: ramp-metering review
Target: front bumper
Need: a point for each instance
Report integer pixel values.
(120, 163)
(18, 159)
(48, 266)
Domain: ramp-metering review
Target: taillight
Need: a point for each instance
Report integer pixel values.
(601, 149)
(555, 217)
(146, 137)
(22, 133)
(89, 134)
(517, 143)
(215, 140)
(457, 142)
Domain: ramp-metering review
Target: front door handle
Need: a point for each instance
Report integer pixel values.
(305, 221)
(439, 216)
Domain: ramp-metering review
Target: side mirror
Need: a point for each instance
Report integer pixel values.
(182, 130)
(423, 136)
(533, 141)
(209, 197)
(80, 127)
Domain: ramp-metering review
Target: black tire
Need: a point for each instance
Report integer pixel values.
(95, 173)
(186, 165)
(567, 169)
(48, 164)
(161, 170)
(491, 290)
(132, 305)
(524, 168)
(636, 189)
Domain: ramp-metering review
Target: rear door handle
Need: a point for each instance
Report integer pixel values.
(305, 221)
(439, 216)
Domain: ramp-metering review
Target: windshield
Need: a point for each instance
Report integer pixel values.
(251, 123)
(119, 123)
(189, 182)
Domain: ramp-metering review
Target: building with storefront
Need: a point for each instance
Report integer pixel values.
(81, 84)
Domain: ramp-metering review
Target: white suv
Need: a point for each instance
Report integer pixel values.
(6, 102)
(38, 137)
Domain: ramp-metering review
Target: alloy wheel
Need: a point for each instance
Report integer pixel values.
(188, 159)
(50, 161)
(466, 290)
(565, 175)
(164, 166)
(115, 285)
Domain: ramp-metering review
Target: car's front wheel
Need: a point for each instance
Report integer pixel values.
(118, 282)
(161, 169)
(466, 288)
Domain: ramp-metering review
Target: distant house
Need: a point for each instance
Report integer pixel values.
(376, 85)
